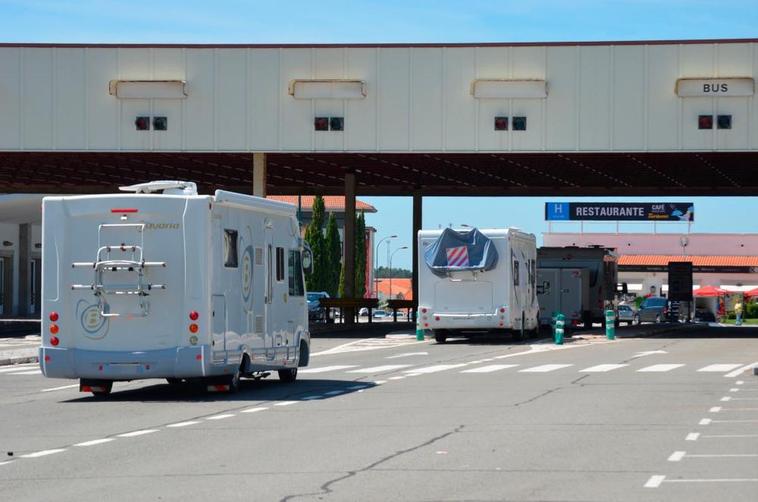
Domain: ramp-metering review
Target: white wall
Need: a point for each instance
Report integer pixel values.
(662, 244)
(600, 98)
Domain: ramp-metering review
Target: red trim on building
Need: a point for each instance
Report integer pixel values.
(697, 261)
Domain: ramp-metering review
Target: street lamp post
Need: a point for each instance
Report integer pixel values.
(390, 265)
(376, 263)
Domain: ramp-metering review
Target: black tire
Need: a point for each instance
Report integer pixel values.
(440, 336)
(288, 375)
(305, 355)
(587, 319)
(107, 387)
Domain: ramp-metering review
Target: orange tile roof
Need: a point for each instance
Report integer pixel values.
(331, 202)
(698, 261)
(399, 285)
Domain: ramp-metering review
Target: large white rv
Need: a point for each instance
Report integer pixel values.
(477, 280)
(164, 283)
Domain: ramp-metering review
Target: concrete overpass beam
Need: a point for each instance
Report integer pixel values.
(259, 174)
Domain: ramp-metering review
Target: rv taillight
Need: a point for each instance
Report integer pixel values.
(53, 316)
(193, 328)
(502, 310)
(54, 341)
(194, 315)
(423, 311)
(124, 210)
(54, 329)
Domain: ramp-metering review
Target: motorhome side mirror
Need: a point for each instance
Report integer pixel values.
(307, 259)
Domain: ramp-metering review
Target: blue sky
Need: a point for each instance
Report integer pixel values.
(363, 21)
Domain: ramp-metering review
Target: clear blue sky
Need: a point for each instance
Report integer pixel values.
(356, 21)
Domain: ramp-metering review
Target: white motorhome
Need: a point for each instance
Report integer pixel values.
(477, 280)
(162, 282)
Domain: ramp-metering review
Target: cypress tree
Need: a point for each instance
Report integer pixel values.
(334, 256)
(360, 256)
(314, 235)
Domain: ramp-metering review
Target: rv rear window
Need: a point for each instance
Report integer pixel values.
(230, 248)
(279, 264)
(515, 273)
(296, 274)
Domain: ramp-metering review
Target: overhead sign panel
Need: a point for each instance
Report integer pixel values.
(619, 211)
(508, 89)
(680, 281)
(713, 87)
(327, 89)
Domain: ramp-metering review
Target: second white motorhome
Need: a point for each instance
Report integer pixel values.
(477, 280)
(165, 283)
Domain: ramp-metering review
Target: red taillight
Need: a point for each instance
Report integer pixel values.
(502, 310)
(193, 328)
(124, 210)
(54, 328)
(53, 316)
(436, 318)
(194, 315)
(423, 311)
(199, 357)
(54, 341)
(47, 359)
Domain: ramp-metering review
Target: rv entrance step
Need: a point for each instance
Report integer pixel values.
(119, 289)
(118, 265)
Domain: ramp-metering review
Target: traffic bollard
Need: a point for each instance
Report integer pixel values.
(419, 332)
(560, 322)
(610, 324)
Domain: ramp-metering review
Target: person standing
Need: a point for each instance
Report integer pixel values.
(738, 313)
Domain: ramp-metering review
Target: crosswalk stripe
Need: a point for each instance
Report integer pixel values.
(380, 369)
(434, 369)
(659, 368)
(602, 368)
(545, 368)
(719, 368)
(325, 369)
(19, 367)
(34, 372)
(490, 368)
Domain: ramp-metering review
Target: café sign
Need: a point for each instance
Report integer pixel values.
(714, 87)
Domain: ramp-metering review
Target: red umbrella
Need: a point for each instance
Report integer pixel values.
(752, 293)
(710, 291)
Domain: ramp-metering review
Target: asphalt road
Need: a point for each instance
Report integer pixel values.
(663, 418)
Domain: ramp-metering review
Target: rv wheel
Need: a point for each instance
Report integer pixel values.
(288, 375)
(440, 336)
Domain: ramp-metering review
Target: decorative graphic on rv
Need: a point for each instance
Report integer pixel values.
(94, 325)
(247, 277)
(456, 250)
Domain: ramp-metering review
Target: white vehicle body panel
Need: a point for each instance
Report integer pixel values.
(562, 290)
(118, 335)
(497, 299)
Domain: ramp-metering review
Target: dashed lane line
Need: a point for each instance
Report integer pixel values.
(602, 368)
(255, 410)
(43, 453)
(741, 370)
(285, 403)
(719, 368)
(692, 436)
(489, 369)
(655, 481)
(325, 369)
(408, 354)
(183, 424)
(137, 433)
(52, 389)
(545, 368)
(380, 369)
(659, 368)
(95, 442)
(434, 369)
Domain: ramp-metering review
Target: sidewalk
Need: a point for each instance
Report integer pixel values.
(19, 350)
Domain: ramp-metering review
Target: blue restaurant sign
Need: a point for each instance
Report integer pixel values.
(619, 211)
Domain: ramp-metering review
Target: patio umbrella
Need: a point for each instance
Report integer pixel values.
(710, 291)
(751, 293)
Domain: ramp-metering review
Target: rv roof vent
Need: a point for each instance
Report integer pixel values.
(163, 186)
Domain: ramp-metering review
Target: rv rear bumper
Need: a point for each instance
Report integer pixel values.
(175, 362)
(467, 321)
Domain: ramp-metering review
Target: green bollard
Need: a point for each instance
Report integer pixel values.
(419, 332)
(560, 322)
(610, 324)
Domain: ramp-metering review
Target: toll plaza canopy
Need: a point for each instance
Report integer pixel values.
(585, 118)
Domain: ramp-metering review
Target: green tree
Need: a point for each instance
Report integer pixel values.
(314, 235)
(342, 282)
(360, 256)
(333, 249)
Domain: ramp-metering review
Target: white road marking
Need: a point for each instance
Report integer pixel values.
(739, 382)
(692, 436)
(380, 382)
(723, 455)
(18, 367)
(705, 421)
(545, 368)
(741, 370)
(220, 417)
(95, 442)
(76, 385)
(184, 424)
(750, 421)
(676, 456)
(254, 410)
(725, 399)
(325, 369)
(7, 462)
(34, 372)
(740, 436)
(734, 389)
(137, 433)
(715, 409)
(369, 344)
(659, 368)
(408, 354)
(714, 480)
(434, 369)
(718, 368)
(648, 353)
(654, 481)
(285, 403)
(43, 453)
(380, 369)
(396, 378)
(310, 398)
(490, 368)
(357, 387)
(334, 392)
(602, 368)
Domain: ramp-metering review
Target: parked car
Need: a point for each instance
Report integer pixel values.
(626, 314)
(704, 315)
(380, 314)
(653, 309)
(315, 311)
(363, 312)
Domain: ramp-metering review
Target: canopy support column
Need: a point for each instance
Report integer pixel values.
(259, 174)
(24, 265)
(348, 316)
(417, 216)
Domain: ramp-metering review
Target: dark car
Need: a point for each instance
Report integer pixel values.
(626, 314)
(703, 315)
(315, 311)
(653, 309)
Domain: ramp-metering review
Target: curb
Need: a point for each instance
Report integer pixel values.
(18, 360)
